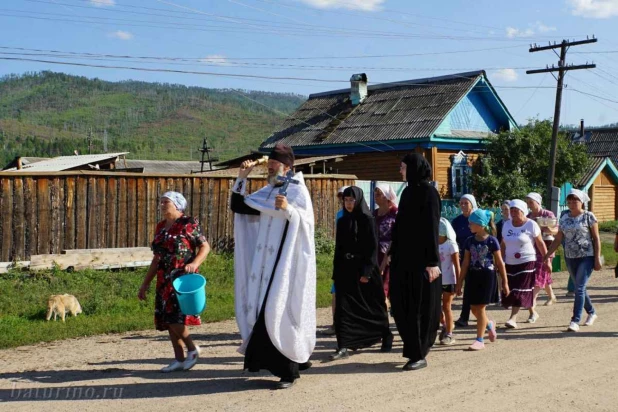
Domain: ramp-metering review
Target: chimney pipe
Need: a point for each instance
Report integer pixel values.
(358, 89)
(581, 128)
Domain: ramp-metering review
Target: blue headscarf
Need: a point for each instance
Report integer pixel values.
(482, 218)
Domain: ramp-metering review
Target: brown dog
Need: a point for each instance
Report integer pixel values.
(62, 304)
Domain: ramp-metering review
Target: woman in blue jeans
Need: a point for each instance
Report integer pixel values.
(582, 252)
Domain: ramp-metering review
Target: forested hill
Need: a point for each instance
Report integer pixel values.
(51, 114)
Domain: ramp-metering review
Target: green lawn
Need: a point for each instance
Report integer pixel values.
(109, 300)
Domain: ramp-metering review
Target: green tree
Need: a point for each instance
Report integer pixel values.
(517, 162)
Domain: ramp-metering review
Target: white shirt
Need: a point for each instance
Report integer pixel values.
(519, 242)
(446, 263)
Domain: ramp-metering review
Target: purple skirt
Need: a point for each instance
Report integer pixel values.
(521, 279)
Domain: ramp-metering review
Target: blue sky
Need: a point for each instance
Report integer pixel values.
(280, 38)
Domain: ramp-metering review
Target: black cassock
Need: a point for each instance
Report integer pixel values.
(260, 352)
(415, 302)
(361, 319)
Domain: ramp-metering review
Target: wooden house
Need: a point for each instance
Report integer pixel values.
(601, 178)
(444, 118)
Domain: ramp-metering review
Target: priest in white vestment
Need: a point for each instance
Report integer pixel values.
(275, 273)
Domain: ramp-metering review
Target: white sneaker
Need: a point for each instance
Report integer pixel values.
(173, 367)
(573, 327)
(511, 324)
(191, 359)
(590, 319)
(533, 318)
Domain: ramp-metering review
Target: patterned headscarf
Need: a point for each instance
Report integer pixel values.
(177, 199)
(445, 229)
(388, 192)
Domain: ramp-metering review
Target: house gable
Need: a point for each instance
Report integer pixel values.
(479, 113)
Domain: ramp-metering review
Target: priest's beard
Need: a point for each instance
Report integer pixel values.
(272, 177)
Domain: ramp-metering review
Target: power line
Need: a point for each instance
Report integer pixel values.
(273, 58)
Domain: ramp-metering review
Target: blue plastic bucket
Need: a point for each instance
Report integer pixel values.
(191, 293)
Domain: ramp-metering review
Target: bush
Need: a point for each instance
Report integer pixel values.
(611, 226)
(324, 243)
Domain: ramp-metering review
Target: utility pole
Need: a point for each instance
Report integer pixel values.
(206, 152)
(561, 69)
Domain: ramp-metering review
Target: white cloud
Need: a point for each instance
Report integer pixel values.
(122, 35)
(596, 9)
(514, 32)
(507, 75)
(365, 5)
(103, 3)
(215, 59)
(531, 30)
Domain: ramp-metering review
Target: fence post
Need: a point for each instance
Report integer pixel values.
(554, 202)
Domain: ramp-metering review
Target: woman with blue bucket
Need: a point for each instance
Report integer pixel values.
(179, 248)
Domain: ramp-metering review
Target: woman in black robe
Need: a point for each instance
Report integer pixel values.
(415, 283)
(361, 319)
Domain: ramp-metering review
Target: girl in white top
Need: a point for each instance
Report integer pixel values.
(449, 265)
(519, 236)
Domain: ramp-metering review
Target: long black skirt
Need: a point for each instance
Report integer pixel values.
(416, 304)
(361, 319)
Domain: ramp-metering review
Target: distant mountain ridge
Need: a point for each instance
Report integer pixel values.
(52, 114)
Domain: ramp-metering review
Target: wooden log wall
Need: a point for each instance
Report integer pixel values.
(47, 213)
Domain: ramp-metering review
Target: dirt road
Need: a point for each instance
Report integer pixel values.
(536, 367)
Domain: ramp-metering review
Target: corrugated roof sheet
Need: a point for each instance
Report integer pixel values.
(601, 143)
(61, 163)
(163, 166)
(392, 111)
(262, 170)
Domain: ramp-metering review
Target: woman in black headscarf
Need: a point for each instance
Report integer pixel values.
(415, 283)
(361, 319)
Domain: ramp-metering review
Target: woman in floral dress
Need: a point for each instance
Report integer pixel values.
(385, 198)
(179, 247)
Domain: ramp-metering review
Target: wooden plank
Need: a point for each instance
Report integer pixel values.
(6, 205)
(61, 213)
(122, 213)
(94, 259)
(19, 219)
(55, 207)
(101, 211)
(152, 204)
(132, 212)
(6, 266)
(196, 184)
(112, 212)
(69, 213)
(214, 207)
(224, 212)
(92, 213)
(81, 216)
(44, 215)
(140, 209)
(106, 250)
(203, 215)
(31, 217)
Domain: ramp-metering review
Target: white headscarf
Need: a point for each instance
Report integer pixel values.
(580, 194)
(519, 204)
(472, 201)
(536, 197)
(388, 192)
(445, 229)
(177, 199)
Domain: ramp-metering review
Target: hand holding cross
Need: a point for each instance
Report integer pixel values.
(281, 202)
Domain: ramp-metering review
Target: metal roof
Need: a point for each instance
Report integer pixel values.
(162, 166)
(392, 111)
(600, 143)
(61, 163)
(594, 165)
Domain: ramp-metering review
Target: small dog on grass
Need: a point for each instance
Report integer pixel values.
(61, 305)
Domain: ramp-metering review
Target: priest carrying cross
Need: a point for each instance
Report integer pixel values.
(274, 265)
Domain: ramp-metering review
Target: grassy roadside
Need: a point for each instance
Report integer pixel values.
(109, 300)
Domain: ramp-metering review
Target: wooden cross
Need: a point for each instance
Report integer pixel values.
(287, 179)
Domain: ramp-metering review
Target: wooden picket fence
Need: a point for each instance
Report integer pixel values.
(46, 213)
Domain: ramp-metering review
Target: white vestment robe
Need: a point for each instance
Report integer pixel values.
(289, 312)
